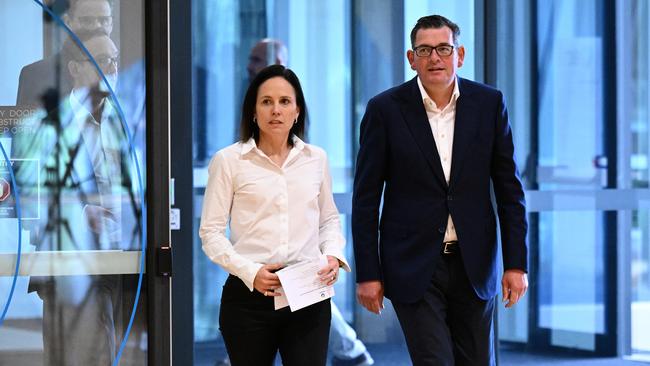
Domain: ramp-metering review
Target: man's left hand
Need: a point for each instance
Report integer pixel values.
(514, 285)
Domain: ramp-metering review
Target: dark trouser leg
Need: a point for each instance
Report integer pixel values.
(450, 325)
(470, 320)
(247, 322)
(424, 324)
(304, 339)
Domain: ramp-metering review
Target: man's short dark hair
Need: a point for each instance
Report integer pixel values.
(248, 128)
(435, 21)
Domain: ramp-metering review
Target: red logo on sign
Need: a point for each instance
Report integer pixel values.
(5, 189)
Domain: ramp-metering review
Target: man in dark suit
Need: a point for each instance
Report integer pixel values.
(50, 73)
(432, 147)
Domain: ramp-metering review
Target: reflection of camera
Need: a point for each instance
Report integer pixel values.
(5, 189)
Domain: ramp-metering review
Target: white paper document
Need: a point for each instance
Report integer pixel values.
(301, 285)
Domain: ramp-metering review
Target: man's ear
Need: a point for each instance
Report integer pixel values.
(411, 57)
(73, 68)
(461, 56)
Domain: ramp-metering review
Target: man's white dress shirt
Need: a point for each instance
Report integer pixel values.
(442, 123)
(277, 214)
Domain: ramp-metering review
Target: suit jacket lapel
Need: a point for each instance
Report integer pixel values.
(465, 128)
(417, 122)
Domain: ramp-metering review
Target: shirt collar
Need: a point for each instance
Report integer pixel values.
(250, 145)
(454, 95)
(80, 106)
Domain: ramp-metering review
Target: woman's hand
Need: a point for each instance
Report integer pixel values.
(330, 273)
(266, 281)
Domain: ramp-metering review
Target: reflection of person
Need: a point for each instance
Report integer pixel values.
(275, 192)
(430, 148)
(50, 73)
(82, 149)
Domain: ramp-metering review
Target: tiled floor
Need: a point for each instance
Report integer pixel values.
(396, 355)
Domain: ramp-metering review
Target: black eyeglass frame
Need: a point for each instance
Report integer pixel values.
(428, 50)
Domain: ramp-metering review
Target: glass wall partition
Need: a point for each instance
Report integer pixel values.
(633, 53)
(72, 125)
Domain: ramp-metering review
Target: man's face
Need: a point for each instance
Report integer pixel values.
(91, 15)
(436, 71)
(105, 53)
(257, 60)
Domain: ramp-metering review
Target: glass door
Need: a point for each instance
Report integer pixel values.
(558, 76)
(73, 171)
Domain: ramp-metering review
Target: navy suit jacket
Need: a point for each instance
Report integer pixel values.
(398, 161)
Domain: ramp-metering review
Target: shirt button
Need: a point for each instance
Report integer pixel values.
(443, 135)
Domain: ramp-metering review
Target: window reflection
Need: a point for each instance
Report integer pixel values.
(81, 202)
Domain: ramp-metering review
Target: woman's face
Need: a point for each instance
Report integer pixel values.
(276, 109)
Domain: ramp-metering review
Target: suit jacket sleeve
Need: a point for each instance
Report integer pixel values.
(368, 187)
(509, 195)
(22, 96)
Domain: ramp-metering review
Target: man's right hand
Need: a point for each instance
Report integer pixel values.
(370, 295)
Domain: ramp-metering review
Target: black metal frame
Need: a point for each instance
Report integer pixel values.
(158, 288)
(181, 171)
(607, 343)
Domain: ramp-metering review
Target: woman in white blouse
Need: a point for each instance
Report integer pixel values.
(275, 192)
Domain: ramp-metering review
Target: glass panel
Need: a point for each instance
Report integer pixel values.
(571, 263)
(81, 197)
(514, 80)
(639, 147)
(571, 295)
(640, 282)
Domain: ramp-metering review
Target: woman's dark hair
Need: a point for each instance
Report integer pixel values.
(248, 128)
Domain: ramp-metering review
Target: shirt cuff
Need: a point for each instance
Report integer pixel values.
(248, 277)
(338, 255)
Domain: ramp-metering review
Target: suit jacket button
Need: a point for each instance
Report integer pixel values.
(441, 230)
(449, 198)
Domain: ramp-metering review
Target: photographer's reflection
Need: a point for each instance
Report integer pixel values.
(50, 73)
(83, 178)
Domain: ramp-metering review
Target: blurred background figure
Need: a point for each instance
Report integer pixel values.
(266, 52)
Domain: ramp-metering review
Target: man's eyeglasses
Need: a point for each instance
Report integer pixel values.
(442, 50)
(90, 22)
(105, 61)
